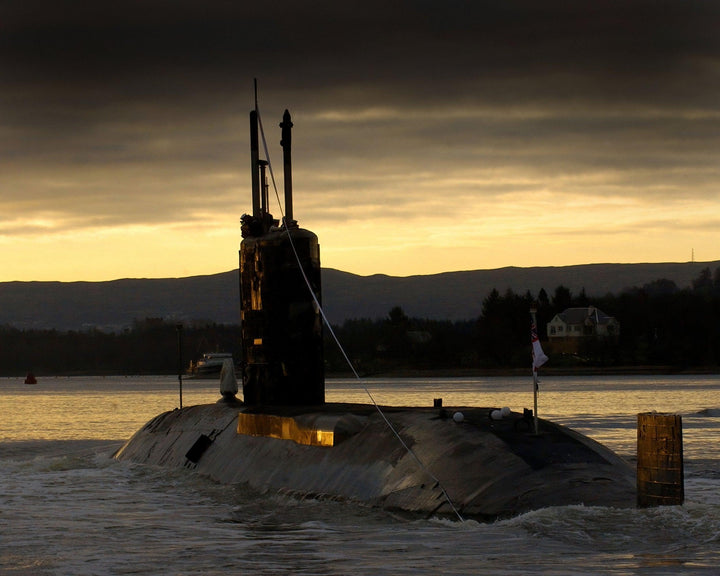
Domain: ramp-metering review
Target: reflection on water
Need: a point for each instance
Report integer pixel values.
(68, 508)
(92, 407)
(113, 408)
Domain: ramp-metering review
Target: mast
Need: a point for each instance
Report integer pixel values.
(286, 143)
(254, 164)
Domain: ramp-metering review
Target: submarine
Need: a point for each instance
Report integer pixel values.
(283, 437)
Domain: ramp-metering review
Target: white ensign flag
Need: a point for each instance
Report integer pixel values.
(539, 357)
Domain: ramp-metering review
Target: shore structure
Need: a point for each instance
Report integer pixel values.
(479, 462)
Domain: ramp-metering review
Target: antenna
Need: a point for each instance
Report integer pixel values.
(254, 163)
(286, 126)
(259, 202)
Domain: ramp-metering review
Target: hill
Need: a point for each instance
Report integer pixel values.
(114, 305)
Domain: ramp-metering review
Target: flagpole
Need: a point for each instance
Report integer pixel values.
(535, 391)
(533, 312)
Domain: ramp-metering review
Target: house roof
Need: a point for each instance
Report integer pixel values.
(572, 316)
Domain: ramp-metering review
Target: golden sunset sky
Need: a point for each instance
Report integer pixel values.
(429, 136)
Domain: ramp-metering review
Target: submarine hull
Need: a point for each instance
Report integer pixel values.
(488, 468)
(285, 438)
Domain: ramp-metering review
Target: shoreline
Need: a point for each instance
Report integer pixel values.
(507, 372)
(435, 372)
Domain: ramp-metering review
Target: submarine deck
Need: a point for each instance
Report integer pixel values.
(487, 467)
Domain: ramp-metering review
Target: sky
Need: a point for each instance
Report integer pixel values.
(429, 136)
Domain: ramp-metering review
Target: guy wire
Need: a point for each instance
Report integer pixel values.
(332, 332)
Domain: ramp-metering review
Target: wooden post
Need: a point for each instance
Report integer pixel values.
(660, 474)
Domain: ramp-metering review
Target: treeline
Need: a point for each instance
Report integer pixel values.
(660, 326)
(150, 346)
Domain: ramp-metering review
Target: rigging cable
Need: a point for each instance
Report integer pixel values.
(332, 332)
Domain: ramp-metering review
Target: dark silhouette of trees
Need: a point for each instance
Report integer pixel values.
(149, 347)
(504, 328)
(562, 298)
(661, 326)
(399, 342)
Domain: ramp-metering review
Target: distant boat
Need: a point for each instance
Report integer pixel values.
(210, 365)
(30, 378)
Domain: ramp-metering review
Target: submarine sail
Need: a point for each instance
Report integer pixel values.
(280, 295)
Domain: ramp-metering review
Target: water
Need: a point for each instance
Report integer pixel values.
(67, 508)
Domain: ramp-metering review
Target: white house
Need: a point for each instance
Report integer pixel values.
(582, 323)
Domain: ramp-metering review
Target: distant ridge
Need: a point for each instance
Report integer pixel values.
(114, 305)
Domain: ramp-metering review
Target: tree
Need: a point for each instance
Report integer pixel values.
(562, 298)
(660, 287)
(397, 316)
(704, 282)
(504, 327)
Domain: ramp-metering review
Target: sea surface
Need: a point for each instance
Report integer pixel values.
(68, 508)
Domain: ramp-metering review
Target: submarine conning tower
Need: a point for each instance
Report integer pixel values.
(282, 337)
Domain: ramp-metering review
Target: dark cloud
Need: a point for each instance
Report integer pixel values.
(388, 46)
(156, 94)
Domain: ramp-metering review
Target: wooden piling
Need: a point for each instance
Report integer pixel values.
(660, 473)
